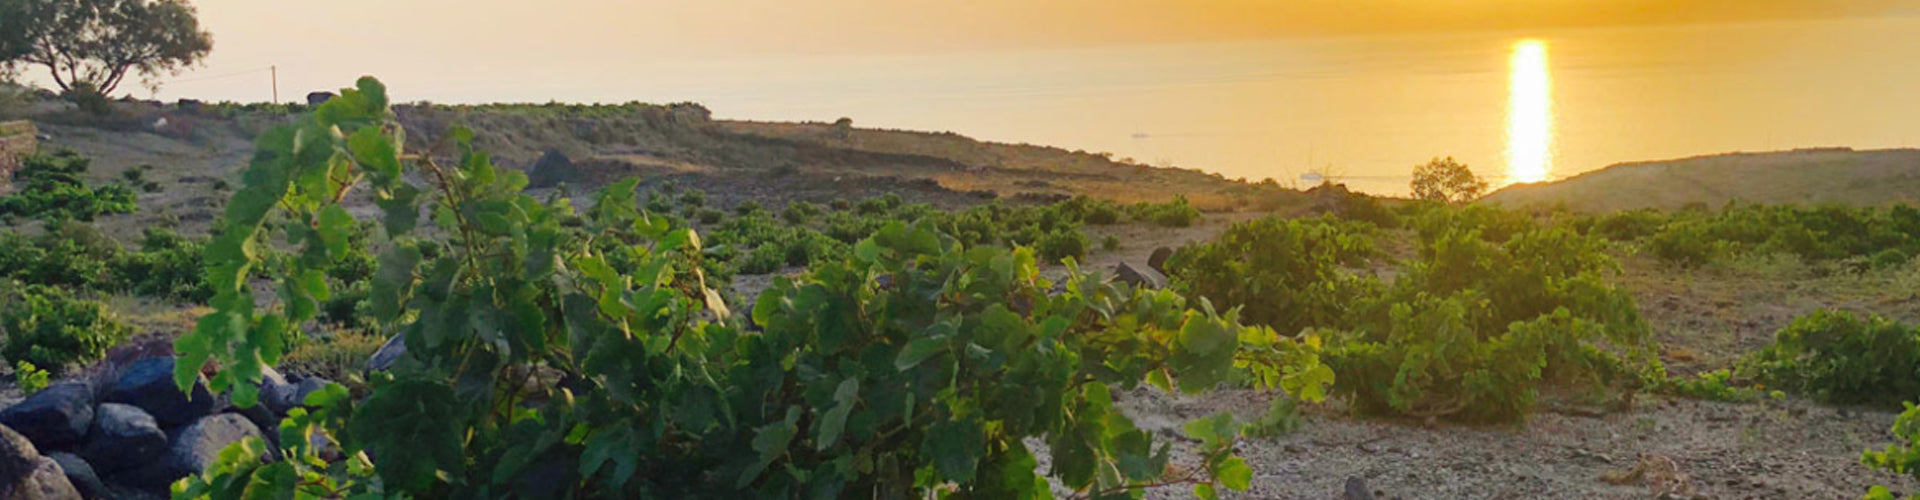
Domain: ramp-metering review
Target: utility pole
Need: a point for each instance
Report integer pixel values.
(276, 83)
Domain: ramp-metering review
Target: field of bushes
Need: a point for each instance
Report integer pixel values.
(901, 350)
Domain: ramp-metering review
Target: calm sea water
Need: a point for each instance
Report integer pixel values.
(1515, 106)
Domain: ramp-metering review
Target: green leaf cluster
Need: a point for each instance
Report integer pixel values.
(553, 353)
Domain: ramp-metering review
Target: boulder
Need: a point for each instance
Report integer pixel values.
(80, 474)
(54, 417)
(1356, 489)
(550, 170)
(148, 384)
(25, 475)
(1139, 276)
(388, 354)
(1158, 261)
(123, 436)
(318, 98)
(198, 446)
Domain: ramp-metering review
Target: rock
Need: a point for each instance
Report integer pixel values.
(550, 170)
(1356, 489)
(46, 482)
(264, 419)
(17, 455)
(198, 446)
(80, 474)
(25, 475)
(318, 98)
(1139, 277)
(388, 354)
(123, 436)
(148, 384)
(1158, 261)
(54, 417)
(307, 386)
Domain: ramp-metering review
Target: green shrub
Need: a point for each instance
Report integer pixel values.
(799, 212)
(1685, 243)
(1283, 273)
(54, 187)
(1176, 213)
(748, 207)
(339, 354)
(1716, 385)
(1473, 330)
(1110, 243)
(918, 367)
(49, 327)
(710, 216)
(1890, 258)
(1901, 457)
(1841, 358)
(1061, 244)
(167, 265)
(30, 379)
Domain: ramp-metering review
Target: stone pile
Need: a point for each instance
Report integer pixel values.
(133, 436)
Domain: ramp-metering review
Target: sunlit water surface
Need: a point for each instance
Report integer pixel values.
(1515, 106)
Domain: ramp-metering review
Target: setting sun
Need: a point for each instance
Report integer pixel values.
(1529, 114)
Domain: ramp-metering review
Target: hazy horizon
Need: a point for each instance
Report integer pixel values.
(1248, 88)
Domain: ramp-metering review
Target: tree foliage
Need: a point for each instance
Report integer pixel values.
(1445, 180)
(91, 46)
(916, 364)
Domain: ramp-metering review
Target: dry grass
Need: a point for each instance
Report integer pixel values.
(339, 355)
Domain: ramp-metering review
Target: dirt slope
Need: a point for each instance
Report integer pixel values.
(1806, 176)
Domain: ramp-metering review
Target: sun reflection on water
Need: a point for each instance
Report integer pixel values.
(1529, 113)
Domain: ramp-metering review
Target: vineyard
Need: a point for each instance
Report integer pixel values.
(592, 343)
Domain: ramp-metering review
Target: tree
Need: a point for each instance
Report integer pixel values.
(90, 46)
(1447, 181)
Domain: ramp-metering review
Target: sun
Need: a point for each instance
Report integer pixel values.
(1529, 113)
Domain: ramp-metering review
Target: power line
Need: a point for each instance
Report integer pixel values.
(217, 77)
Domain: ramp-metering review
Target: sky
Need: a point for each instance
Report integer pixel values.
(706, 28)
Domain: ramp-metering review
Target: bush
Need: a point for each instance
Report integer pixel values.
(1177, 213)
(1472, 330)
(1890, 258)
(53, 187)
(1901, 457)
(1841, 358)
(1110, 243)
(1283, 273)
(30, 379)
(50, 328)
(1061, 244)
(710, 216)
(800, 212)
(918, 367)
(167, 265)
(748, 207)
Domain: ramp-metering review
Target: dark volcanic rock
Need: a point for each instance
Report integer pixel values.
(25, 475)
(1138, 276)
(550, 170)
(80, 474)
(54, 417)
(148, 384)
(388, 354)
(1158, 261)
(199, 445)
(318, 98)
(123, 436)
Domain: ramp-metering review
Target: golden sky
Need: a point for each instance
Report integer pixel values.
(708, 27)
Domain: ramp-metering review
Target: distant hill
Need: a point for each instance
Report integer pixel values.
(196, 151)
(1810, 176)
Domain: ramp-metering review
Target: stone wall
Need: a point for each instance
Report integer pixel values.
(17, 139)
